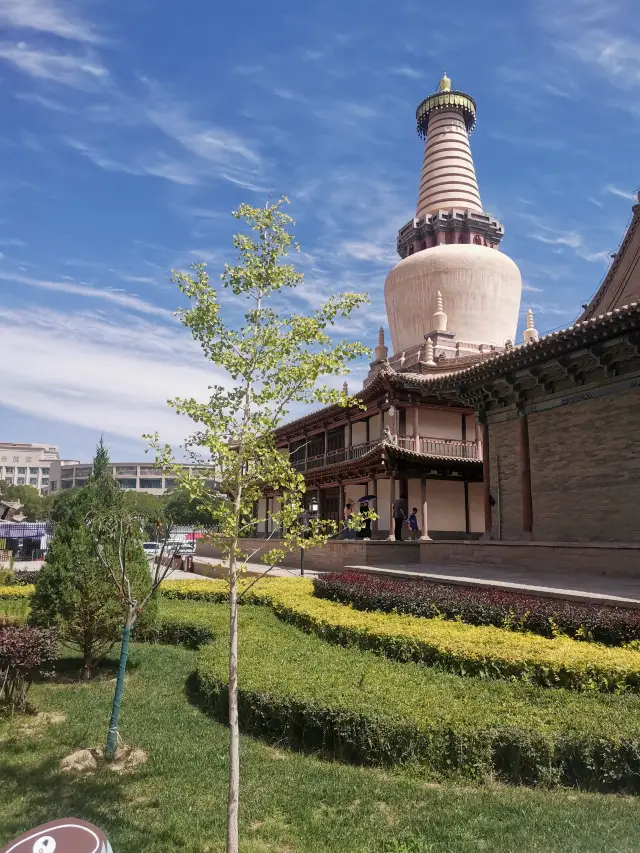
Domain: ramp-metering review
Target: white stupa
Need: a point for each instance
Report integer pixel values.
(449, 252)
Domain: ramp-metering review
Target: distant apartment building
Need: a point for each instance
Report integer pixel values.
(24, 464)
(137, 476)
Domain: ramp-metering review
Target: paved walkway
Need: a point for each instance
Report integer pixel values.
(624, 591)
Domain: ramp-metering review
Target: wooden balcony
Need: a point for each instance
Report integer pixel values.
(426, 445)
(439, 446)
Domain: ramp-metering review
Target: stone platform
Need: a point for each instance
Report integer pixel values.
(614, 559)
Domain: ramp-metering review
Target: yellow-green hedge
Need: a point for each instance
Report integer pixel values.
(9, 592)
(465, 649)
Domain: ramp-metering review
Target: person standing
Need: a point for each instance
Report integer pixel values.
(348, 512)
(365, 530)
(413, 523)
(400, 509)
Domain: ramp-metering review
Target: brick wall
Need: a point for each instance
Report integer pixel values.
(504, 453)
(585, 470)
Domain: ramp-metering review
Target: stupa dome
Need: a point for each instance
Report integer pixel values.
(480, 287)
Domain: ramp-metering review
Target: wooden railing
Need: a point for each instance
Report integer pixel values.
(333, 457)
(425, 444)
(439, 446)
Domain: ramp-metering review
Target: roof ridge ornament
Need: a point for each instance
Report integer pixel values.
(445, 83)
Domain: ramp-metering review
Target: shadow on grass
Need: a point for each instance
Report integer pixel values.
(103, 798)
(68, 670)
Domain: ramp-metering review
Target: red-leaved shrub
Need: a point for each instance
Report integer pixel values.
(23, 652)
(613, 626)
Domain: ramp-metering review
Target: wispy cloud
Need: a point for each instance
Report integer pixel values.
(602, 36)
(407, 71)
(160, 166)
(570, 239)
(610, 188)
(573, 240)
(116, 376)
(124, 300)
(46, 16)
(367, 251)
(80, 72)
(40, 100)
(530, 141)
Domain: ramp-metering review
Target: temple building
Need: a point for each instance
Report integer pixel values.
(452, 302)
(516, 453)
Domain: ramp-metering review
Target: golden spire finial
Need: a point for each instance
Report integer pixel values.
(445, 83)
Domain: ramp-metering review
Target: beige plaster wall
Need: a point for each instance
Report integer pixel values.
(415, 498)
(476, 507)
(445, 499)
(384, 503)
(359, 432)
(441, 423)
(374, 427)
(262, 508)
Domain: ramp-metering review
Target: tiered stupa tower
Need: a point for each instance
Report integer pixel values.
(452, 288)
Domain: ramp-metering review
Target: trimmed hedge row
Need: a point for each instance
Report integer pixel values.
(516, 611)
(16, 591)
(464, 649)
(356, 706)
(179, 622)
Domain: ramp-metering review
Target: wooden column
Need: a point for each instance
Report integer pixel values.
(416, 429)
(525, 475)
(478, 440)
(326, 444)
(486, 477)
(306, 451)
(425, 516)
(266, 516)
(341, 506)
(392, 497)
(367, 436)
(467, 518)
(374, 491)
(349, 435)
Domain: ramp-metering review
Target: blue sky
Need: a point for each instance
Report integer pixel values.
(130, 131)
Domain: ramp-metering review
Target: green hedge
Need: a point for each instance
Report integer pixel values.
(356, 706)
(179, 623)
(484, 651)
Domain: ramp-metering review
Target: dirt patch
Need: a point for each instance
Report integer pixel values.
(84, 761)
(35, 722)
(81, 761)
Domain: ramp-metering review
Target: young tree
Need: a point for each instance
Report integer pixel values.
(116, 538)
(73, 590)
(274, 358)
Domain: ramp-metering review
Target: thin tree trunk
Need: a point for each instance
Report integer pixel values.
(87, 658)
(233, 800)
(112, 735)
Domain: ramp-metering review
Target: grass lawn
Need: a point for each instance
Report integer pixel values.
(290, 802)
